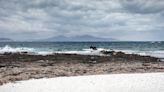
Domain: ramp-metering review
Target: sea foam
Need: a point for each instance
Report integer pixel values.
(158, 54)
(8, 48)
(38, 51)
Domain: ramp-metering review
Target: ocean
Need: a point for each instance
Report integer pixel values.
(155, 49)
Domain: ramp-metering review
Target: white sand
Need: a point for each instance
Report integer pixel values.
(149, 82)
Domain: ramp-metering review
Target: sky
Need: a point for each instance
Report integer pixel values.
(134, 20)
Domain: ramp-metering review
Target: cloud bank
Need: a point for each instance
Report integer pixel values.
(120, 19)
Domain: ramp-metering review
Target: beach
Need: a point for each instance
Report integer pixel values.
(81, 46)
(22, 66)
(147, 82)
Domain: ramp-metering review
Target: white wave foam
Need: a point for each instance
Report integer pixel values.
(8, 48)
(158, 54)
(30, 51)
(44, 53)
(33, 51)
(86, 51)
(79, 52)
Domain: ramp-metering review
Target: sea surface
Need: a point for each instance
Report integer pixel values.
(155, 49)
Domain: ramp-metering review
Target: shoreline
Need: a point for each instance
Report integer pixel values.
(16, 66)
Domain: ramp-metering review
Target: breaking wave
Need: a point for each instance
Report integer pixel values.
(39, 51)
(158, 54)
(8, 48)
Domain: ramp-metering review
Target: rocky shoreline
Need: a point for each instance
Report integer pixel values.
(21, 66)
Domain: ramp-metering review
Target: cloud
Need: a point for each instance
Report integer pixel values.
(144, 6)
(120, 19)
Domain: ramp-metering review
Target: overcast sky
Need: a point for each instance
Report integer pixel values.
(120, 19)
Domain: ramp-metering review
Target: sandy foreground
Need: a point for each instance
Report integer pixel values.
(147, 82)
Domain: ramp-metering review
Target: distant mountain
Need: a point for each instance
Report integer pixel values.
(85, 38)
(5, 39)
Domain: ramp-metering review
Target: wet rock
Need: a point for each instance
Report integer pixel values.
(93, 60)
(7, 53)
(18, 66)
(145, 64)
(25, 52)
(107, 52)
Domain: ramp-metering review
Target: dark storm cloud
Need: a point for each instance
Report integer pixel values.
(119, 19)
(144, 6)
